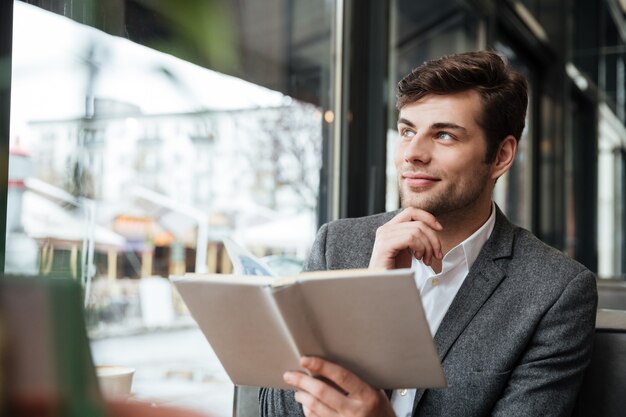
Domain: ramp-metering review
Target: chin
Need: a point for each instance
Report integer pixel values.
(433, 204)
(417, 203)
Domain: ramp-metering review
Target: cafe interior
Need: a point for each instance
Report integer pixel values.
(138, 136)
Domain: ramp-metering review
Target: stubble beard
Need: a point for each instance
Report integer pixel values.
(454, 197)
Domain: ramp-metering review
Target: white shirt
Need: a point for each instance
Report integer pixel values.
(438, 290)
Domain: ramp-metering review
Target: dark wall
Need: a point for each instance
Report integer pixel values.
(6, 39)
(364, 162)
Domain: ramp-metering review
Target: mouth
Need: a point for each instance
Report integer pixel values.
(417, 180)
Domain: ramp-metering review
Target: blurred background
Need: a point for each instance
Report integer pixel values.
(136, 134)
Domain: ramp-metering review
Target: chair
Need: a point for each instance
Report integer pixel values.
(246, 402)
(612, 294)
(604, 384)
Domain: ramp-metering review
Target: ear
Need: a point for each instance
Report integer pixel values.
(504, 157)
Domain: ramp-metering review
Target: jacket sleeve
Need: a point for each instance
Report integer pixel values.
(549, 374)
(275, 402)
(317, 257)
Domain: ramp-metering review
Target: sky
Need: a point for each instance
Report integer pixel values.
(50, 78)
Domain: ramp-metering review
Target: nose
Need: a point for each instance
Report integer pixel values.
(417, 150)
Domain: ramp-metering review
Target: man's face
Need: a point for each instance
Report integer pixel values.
(440, 158)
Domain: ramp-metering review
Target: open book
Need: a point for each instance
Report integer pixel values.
(370, 322)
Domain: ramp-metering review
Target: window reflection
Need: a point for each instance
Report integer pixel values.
(129, 165)
(610, 193)
(512, 192)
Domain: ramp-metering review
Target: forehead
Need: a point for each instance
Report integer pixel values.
(459, 108)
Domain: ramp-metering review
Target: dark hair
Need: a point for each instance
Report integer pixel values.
(502, 90)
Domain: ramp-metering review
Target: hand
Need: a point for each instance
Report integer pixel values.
(349, 397)
(411, 233)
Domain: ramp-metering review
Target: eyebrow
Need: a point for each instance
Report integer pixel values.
(434, 126)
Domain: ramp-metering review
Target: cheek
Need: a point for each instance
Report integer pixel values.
(461, 162)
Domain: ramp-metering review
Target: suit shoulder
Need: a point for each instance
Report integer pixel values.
(542, 259)
(539, 275)
(371, 222)
(347, 243)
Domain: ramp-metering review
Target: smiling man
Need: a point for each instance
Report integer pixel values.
(512, 318)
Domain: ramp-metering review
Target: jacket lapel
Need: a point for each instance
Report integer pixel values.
(481, 281)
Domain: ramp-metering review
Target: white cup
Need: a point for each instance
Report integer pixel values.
(115, 381)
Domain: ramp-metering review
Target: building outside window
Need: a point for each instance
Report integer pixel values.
(140, 139)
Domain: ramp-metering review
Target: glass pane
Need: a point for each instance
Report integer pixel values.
(512, 192)
(611, 134)
(132, 159)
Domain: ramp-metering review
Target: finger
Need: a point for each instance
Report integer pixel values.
(431, 240)
(313, 406)
(309, 413)
(416, 214)
(320, 390)
(417, 237)
(427, 259)
(422, 248)
(345, 379)
(393, 239)
(411, 214)
(395, 234)
(417, 246)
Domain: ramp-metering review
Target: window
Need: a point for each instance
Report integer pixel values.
(513, 191)
(142, 133)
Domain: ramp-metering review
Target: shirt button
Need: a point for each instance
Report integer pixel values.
(403, 392)
(435, 282)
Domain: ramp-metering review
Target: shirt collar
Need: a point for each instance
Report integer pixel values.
(465, 253)
(474, 244)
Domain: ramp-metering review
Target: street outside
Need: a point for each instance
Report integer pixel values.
(173, 367)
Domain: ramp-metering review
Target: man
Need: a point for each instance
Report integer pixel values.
(513, 319)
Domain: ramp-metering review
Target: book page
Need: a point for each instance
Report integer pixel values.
(226, 279)
(241, 323)
(298, 320)
(339, 273)
(370, 322)
(375, 326)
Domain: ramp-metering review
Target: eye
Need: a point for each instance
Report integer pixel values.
(444, 136)
(406, 133)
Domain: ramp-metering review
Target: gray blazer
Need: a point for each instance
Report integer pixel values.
(515, 340)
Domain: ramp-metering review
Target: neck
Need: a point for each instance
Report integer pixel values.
(457, 227)
(461, 224)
